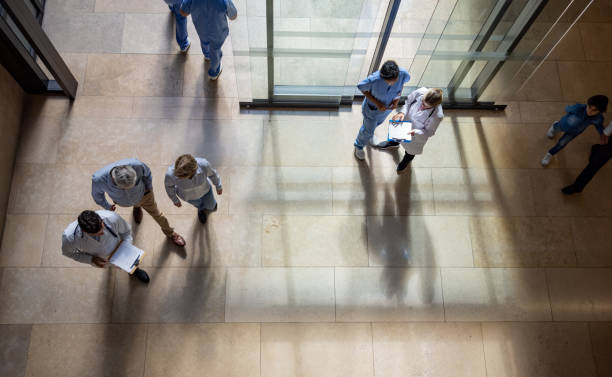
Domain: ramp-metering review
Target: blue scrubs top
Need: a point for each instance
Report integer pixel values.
(379, 88)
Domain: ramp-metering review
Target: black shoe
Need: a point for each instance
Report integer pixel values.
(137, 213)
(215, 209)
(404, 163)
(141, 275)
(388, 145)
(202, 215)
(569, 190)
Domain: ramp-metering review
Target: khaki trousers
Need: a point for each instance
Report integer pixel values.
(149, 205)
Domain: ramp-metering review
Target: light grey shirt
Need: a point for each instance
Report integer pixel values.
(191, 188)
(101, 182)
(81, 247)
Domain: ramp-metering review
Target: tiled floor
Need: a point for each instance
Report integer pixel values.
(471, 264)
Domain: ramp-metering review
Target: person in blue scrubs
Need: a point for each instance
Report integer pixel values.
(181, 25)
(382, 91)
(209, 18)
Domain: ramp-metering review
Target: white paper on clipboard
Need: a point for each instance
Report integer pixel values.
(127, 257)
(400, 130)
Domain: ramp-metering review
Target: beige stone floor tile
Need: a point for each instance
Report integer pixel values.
(231, 350)
(314, 241)
(580, 294)
(45, 106)
(549, 201)
(174, 295)
(592, 241)
(150, 33)
(570, 47)
(318, 349)
(22, 241)
(183, 108)
(447, 148)
(223, 241)
(134, 6)
(14, 343)
(38, 141)
(522, 241)
(281, 190)
(56, 295)
(218, 141)
(542, 112)
(367, 191)
(52, 249)
(376, 294)
(72, 190)
(599, 11)
(32, 188)
(101, 107)
(428, 349)
(601, 341)
(87, 350)
(426, 241)
(482, 192)
(580, 80)
(128, 138)
(597, 38)
(537, 349)
(197, 83)
(134, 75)
(544, 85)
(495, 294)
(69, 6)
(303, 294)
(85, 32)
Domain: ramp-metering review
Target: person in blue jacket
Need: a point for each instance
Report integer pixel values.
(577, 118)
(382, 91)
(182, 38)
(209, 19)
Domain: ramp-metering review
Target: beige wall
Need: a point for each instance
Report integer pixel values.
(11, 106)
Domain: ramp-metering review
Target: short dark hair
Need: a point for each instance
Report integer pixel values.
(389, 70)
(599, 101)
(90, 222)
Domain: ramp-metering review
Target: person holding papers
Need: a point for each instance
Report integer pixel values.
(95, 237)
(188, 179)
(382, 90)
(424, 108)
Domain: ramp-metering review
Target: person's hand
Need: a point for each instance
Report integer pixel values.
(380, 106)
(412, 132)
(178, 204)
(219, 190)
(183, 13)
(113, 207)
(399, 116)
(98, 261)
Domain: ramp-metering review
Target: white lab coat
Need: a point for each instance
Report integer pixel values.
(424, 122)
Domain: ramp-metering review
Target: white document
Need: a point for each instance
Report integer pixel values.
(400, 131)
(127, 257)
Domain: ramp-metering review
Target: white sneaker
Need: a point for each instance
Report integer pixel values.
(551, 131)
(184, 50)
(546, 160)
(360, 154)
(374, 141)
(213, 78)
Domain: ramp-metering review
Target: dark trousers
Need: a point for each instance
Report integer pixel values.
(600, 154)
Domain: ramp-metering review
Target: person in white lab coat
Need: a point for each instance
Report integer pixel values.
(93, 238)
(424, 108)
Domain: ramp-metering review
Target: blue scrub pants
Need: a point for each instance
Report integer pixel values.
(206, 202)
(372, 118)
(181, 27)
(212, 50)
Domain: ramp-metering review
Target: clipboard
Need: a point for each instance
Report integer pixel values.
(126, 257)
(399, 131)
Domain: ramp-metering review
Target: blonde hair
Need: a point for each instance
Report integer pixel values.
(185, 166)
(433, 97)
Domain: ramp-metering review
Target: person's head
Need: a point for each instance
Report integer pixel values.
(389, 72)
(185, 166)
(597, 104)
(432, 98)
(124, 176)
(91, 223)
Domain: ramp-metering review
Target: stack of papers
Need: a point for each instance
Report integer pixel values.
(400, 131)
(127, 257)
